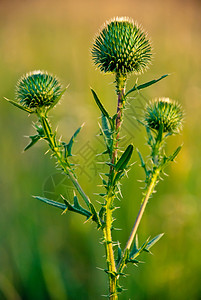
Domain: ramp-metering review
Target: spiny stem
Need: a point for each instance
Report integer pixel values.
(120, 88)
(139, 217)
(109, 250)
(112, 275)
(55, 148)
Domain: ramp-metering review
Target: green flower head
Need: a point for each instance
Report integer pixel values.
(38, 89)
(165, 112)
(122, 47)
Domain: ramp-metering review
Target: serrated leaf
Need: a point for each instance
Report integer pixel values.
(40, 130)
(133, 261)
(68, 147)
(143, 165)
(143, 247)
(76, 203)
(173, 156)
(67, 205)
(106, 131)
(77, 208)
(154, 241)
(124, 159)
(34, 140)
(140, 250)
(167, 159)
(135, 247)
(101, 107)
(106, 127)
(104, 182)
(30, 111)
(51, 202)
(119, 253)
(144, 85)
(102, 212)
(95, 216)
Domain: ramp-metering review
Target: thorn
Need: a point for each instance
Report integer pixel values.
(116, 207)
(47, 151)
(65, 211)
(114, 228)
(100, 269)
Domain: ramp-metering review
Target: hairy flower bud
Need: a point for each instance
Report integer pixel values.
(165, 112)
(38, 89)
(122, 47)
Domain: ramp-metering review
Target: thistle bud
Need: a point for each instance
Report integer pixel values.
(165, 112)
(122, 47)
(38, 89)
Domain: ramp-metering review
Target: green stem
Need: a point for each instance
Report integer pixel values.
(150, 190)
(109, 250)
(50, 137)
(112, 274)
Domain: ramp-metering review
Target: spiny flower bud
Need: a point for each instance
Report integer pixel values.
(165, 112)
(122, 47)
(38, 89)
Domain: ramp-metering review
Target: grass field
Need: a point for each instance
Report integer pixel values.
(44, 255)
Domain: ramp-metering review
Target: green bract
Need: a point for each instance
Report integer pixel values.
(122, 47)
(165, 112)
(38, 89)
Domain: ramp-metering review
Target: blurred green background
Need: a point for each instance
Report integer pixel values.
(44, 255)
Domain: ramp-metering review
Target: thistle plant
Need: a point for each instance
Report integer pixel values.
(120, 48)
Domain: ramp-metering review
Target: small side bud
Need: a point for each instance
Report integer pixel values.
(165, 112)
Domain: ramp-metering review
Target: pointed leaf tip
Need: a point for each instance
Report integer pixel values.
(154, 241)
(101, 107)
(124, 159)
(34, 140)
(51, 202)
(144, 85)
(68, 147)
(30, 111)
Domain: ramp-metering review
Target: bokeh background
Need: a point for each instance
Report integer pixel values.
(46, 255)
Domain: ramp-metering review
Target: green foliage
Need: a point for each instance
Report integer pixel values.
(122, 164)
(35, 138)
(16, 104)
(76, 207)
(102, 108)
(107, 133)
(122, 47)
(68, 147)
(124, 159)
(144, 85)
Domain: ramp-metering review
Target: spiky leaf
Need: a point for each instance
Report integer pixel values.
(30, 111)
(68, 147)
(51, 202)
(174, 155)
(101, 107)
(34, 140)
(153, 241)
(134, 250)
(144, 85)
(124, 159)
